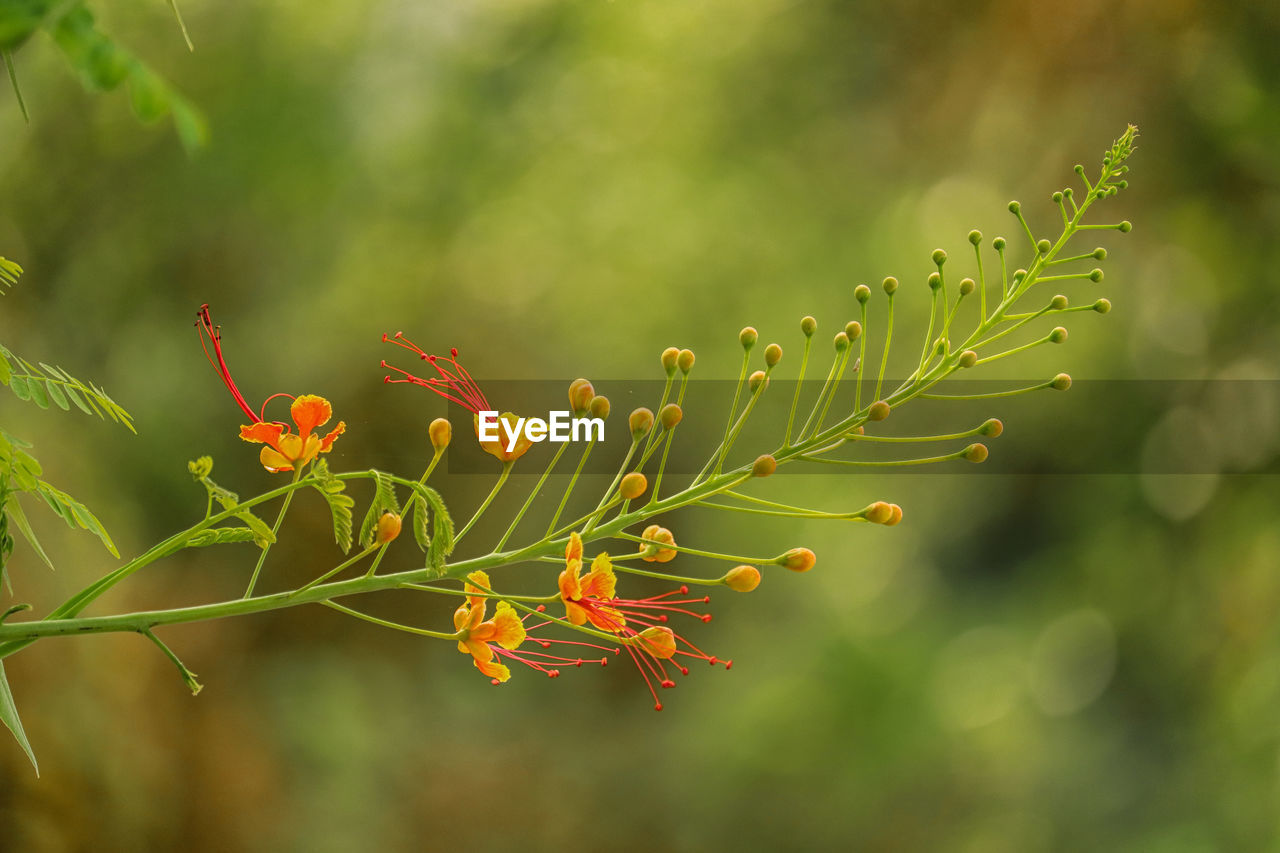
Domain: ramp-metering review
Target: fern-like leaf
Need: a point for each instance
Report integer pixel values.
(384, 500)
(44, 383)
(340, 505)
(74, 513)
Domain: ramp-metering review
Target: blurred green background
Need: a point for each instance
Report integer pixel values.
(1028, 663)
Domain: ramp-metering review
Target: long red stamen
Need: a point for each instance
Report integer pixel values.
(455, 384)
(204, 325)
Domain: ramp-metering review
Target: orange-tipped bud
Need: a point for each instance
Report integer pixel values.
(670, 416)
(599, 407)
(685, 361)
(798, 560)
(670, 358)
(658, 641)
(757, 381)
(580, 394)
(976, 452)
(764, 466)
(879, 411)
(441, 433)
(772, 355)
(853, 329)
(1061, 382)
(992, 427)
(633, 486)
(968, 358)
(896, 517)
(879, 512)
(656, 553)
(388, 528)
(641, 421)
(742, 578)
(748, 337)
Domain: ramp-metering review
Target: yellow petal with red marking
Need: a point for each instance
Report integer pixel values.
(601, 582)
(607, 619)
(573, 550)
(508, 629)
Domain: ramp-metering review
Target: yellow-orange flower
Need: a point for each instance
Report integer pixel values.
(285, 450)
(584, 598)
(476, 634)
(497, 448)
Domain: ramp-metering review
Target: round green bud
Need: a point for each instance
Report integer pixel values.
(1057, 197)
(809, 325)
(670, 416)
(580, 393)
(641, 421)
(1014, 207)
(879, 411)
(1122, 185)
(935, 281)
(1043, 247)
(975, 236)
(1019, 274)
(940, 348)
(1058, 335)
(1125, 227)
(991, 427)
(772, 355)
(998, 244)
(841, 341)
(1058, 302)
(890, 284)
(748, 337)
(764, 466)
(1061, 382)
(1095, 275)
(968, 358)
(1102, 306)
(976, 452)
(1099, 254)
(758, 381)
(599, 407)
(966, 286)
(853, 329)
(685, 361)
(633, 486)
(939, 257)
(862, 293)
(670, 356)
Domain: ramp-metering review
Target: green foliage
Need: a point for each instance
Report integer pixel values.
(384, 500)
(75, 514)
(200, 469)
(9, 714)
(102, 64)
(43, 383)
(340, 505)
(222, 536)
(9, 272)
(439, 543)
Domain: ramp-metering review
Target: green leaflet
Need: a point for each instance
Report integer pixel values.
(9, 713)
(227, 499)
(440, 543)
(384, 500)
(340, 505)
(75, 514)
(14, 509)
(9, 272)
(222, 536)
(44, 383)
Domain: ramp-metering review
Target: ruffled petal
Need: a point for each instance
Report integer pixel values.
(601, 582)
(477, 583)
(310, 411)
(498, 672)
(508, 629)
(327, 443)
(263, 432)
(570, 588)
(573, 550)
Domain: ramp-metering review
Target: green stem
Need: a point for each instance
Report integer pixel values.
(262, 557)
(497, 487)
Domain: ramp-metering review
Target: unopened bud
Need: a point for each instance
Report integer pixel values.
(896, 517)
(1102, 306)
(1057, 197)
(1058, 335)
(633, 486)
(388, 528)
(890, 284)
(975, 237)
(764, 466)
(935, 281)
(1099, 254)
(1058, 302)
(853, 330)
(841, 341)
(1014, 207)
(772, 355)
(798, 560)
(1061, 382)
(939, 257)
(998, 244)
(1125, 227)
(748, 337)
(1095, 275)
(580, 393)
(966, 286)
(758, 381)
(441, 433)
(968, 358)
(685, 361)
(641, 421)
(652, 553)
(670, 356)
(1043, 247)
(879, 512)
(808, 326)
(991, 427)
(742, 578)
(658, 640)
(670, 416)
(862, 293)
(879, 411)
(599, 407)
(976, 452)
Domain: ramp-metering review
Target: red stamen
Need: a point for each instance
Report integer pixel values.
(205, 326)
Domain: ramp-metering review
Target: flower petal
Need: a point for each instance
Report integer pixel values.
(263, 432)
(310, 411)
(273, 461)
(601, 582)
(477, 583)
(509, 630)
(573, 550)
(607, 619)
(498, 672)
(327, 443)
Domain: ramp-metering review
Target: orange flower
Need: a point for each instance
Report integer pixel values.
(583, 597)
(476, 635)
(456, 385)
(285, 450)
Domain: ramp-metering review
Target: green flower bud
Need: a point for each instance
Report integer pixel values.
(758, 381)
(1095, 274)
(1061, 382)
(670, 356)
(1102, 306)
(1014, 207)
(998, 244)
(1058, 335)
(1099, 254)
(808, 325)
(890, 284)
(935, 281)
(862, 293)
(853, 330)
(968, 358)
(991, 427)
(975, 236)
(670, 416)
(1043, 247)
(772, 355)
(939, 257)
(599, 407)
(748, 337)
(1058, 302)
(976, 452)
(966, 286)
(841, 341)
(685, 361)
(1125, 227)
